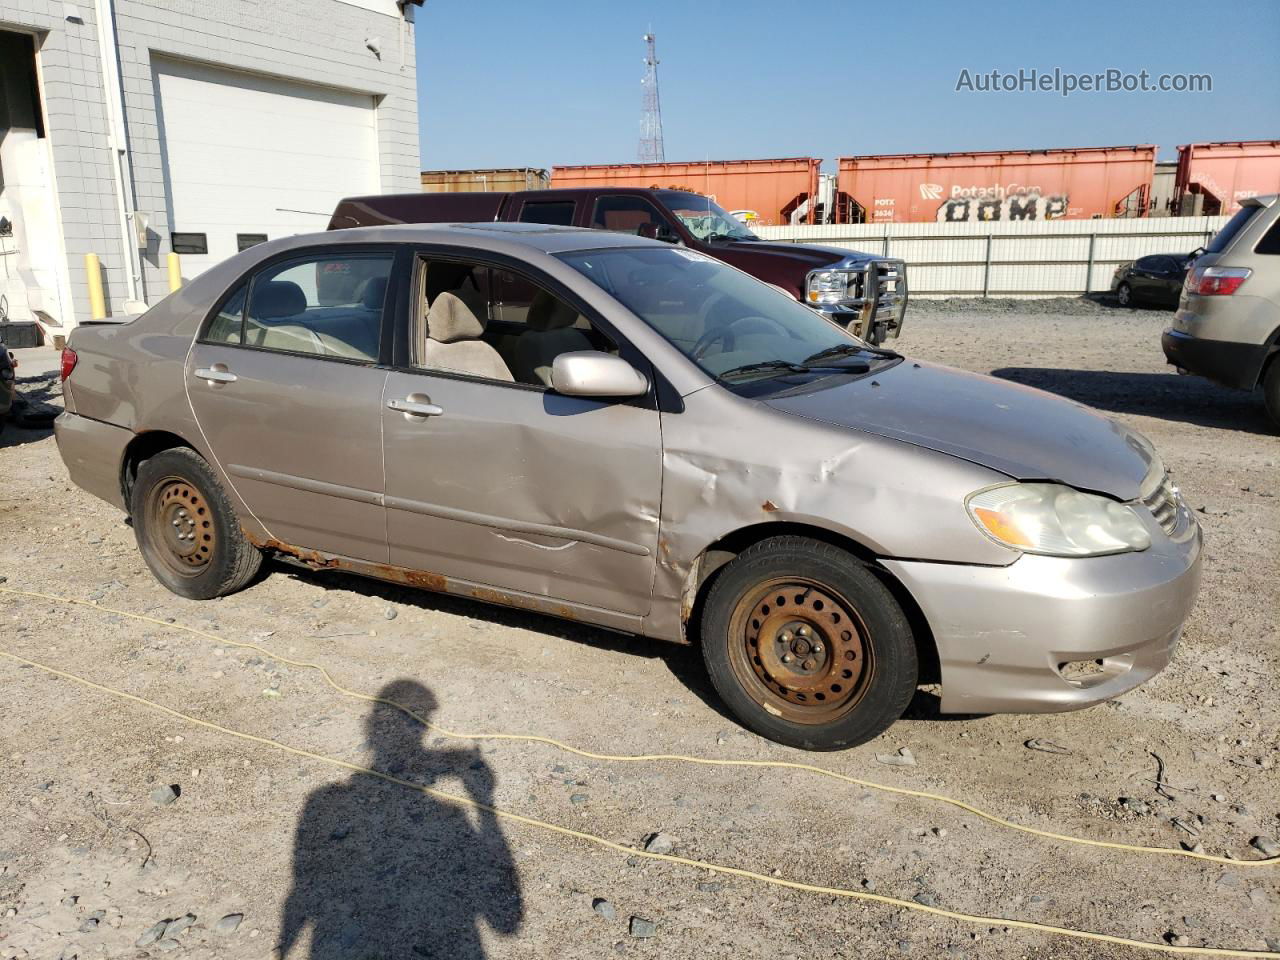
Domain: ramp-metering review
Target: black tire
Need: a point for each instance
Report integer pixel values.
(186, 527)
(855, 670)
(1271, 390)
(1124, 293)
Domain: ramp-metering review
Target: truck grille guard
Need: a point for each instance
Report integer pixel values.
(879, 295)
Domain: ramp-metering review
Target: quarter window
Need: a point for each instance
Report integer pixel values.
(1222, 239)
(1270, 242)
(324, 306)
(228, 325)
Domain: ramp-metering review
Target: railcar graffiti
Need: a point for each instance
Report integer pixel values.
(1015, 206)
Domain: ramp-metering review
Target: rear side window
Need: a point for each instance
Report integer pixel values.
(1270, 242)
(1228, 233)
(556, 212)
(327, 306)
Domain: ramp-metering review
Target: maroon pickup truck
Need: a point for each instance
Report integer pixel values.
(867, 294)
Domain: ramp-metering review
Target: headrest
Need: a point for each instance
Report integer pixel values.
(375, 291)
(450, 320)
(277, 298)
(548, 313)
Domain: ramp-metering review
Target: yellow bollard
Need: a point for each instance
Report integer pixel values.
(93, 275)
(175, 272)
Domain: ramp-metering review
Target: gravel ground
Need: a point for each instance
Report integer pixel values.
(98, 858)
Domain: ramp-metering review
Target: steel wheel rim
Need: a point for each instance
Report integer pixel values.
(181, 525)
(800, 650)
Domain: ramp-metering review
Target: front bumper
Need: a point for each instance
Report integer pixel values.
(94, 453)
(1226, 362)
(1024, 638)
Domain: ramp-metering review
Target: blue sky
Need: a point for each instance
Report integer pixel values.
(513, 84)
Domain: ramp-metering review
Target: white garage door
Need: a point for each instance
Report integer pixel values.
(248, 156)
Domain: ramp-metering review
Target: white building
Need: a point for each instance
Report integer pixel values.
(130, 128)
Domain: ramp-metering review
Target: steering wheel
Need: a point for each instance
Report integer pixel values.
(723, 332)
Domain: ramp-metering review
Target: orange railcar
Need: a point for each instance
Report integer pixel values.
(1061, 184)
(1223, 174)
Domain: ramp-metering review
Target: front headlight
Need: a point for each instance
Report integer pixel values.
(829, 286)
(1056, 520)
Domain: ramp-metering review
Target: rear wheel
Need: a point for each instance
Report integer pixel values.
(1271, 390)
(806, 646)
(187, 529)
(1124, 293)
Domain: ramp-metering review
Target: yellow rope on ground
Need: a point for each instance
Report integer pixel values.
(632, 852)
(659, 757)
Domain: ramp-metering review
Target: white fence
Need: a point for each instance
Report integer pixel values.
(1052, 258)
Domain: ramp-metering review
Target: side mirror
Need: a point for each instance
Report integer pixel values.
(590, 373)
(657, 231)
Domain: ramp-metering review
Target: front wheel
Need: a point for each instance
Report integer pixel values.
(187, 529)
(806, 646)
(1124, 293)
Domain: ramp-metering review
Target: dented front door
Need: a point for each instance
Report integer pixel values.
(520, 489)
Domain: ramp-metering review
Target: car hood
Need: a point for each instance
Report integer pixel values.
(812, 256)
(1017, 430)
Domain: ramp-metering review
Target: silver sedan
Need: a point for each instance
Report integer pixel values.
(628, 433)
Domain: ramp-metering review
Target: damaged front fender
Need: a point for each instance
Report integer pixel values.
(731, 465)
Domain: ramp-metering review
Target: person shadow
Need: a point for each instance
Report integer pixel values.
(381, 871)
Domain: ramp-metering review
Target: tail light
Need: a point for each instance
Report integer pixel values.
(1216, 281)
(69, 359)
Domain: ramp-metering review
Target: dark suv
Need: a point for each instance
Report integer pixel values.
(866, 293)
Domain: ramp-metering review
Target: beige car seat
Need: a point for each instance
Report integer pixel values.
(271, 319)
(551, 332)
(453, 341)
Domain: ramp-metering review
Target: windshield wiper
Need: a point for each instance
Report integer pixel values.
(839, 350)
(781, 366)
(712, 237)
(849, 349)
(787, 366)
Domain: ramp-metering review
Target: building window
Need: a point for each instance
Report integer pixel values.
(189, 242)
(246, 240)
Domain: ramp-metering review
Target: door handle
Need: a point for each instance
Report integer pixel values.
(218, 374)
(415, 408)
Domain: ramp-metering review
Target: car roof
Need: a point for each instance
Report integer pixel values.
(487, 235)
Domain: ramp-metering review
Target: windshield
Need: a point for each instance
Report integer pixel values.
(703, 217)
(734, 327)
